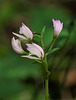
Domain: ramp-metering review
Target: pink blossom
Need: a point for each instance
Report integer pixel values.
(35, 51)
(25, 33)
(16, 45)
(57, 26)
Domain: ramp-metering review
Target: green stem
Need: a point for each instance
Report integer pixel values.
(46, 80)
(45, 71)
(46, 66)
(42, 43)
(52, 44)
(46, 90)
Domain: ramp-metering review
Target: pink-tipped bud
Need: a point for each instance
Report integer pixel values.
(57, 27)
(16, 45)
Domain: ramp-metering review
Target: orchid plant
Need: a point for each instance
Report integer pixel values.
(34, 51)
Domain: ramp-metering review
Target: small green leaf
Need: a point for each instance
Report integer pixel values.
(36, 35)
(43, 30)
(53, 50)
(38, 61)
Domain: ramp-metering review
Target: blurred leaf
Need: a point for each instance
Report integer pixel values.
(12, 69)
(9, 87)
(64, 33)
(22, 96)
(53, 50)
(43, 30)
(72, 39)
(14, 66)
(40, 96)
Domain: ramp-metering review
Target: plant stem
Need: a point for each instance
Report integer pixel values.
(46, 89)
(42, 43)
(52, 44)
(46, 68)
(46, 81)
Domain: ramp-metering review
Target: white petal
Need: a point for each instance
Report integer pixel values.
(29, 31)
(17, 47)
(20, 36)
(57, 26)
(39, 48)
(26, 31)
(34, 50)
(31, 57)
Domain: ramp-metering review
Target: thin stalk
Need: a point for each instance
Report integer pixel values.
(52, 44)
(46, 81)
(46, 90)
(46, 71)
(42, 43)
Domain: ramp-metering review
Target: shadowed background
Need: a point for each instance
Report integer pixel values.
(20, 78)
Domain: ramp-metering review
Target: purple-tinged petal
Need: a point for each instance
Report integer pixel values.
(16, 45)
(31, 57)
(24, 32)
(20, 36)
(57, 26)
(38, 47)
(28, 30)
(34, 50)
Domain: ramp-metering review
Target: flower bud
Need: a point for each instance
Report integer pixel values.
(16, 45)
(57, 27)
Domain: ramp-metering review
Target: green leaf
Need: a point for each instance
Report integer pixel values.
(43, 30)
(51, 51)
(38, 61)
(36, 35)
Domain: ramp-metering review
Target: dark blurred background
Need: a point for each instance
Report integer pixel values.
(21, 78)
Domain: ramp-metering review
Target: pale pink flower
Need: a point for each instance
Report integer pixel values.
(25, 33)
(35, 51)
(57, 27)
(16, 45)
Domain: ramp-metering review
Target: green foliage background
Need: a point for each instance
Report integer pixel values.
(20, 78)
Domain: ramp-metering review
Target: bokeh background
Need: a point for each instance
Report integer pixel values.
(21, 78)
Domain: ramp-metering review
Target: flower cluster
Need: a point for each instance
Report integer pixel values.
(35, 51)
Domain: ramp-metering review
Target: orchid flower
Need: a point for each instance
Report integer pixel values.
(57, 27)
(35, 51)
(25, 33)
(16, 45)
